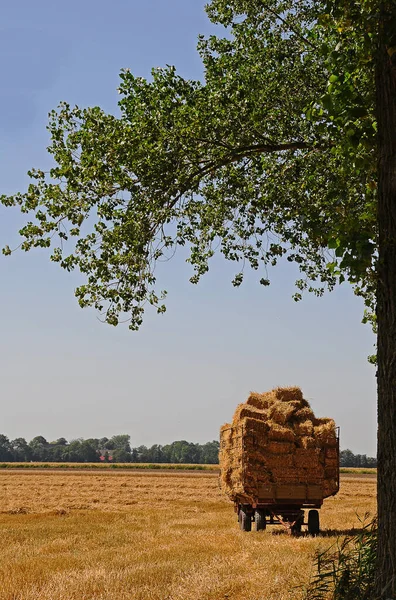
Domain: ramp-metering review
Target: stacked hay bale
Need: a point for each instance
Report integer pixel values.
(275, 438)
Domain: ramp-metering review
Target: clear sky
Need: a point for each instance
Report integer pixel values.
(63, 373)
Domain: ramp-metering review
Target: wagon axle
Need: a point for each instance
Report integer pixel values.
(291, 519)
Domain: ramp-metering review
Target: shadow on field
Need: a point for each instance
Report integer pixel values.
(326, 533)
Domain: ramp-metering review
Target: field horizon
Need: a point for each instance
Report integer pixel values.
(143, 466)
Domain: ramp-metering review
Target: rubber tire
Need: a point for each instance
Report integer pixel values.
(313, 522)
(261, 522)
(245, 520)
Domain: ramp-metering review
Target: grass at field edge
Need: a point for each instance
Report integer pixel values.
(143, 466)
(101, 466)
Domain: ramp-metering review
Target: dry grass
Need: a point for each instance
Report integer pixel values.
(151, 536)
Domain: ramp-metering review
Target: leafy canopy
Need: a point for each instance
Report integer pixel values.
(271, 156)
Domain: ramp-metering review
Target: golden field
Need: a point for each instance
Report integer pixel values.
(152, 535)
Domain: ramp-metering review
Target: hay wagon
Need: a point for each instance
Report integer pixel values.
(282, 504)
(275, 500)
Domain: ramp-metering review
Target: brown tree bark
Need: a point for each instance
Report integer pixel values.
(386, 303)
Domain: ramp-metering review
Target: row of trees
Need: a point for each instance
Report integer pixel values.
(114, 449)
(118, 449)
(349, 459)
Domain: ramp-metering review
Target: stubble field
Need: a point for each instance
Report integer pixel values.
(151, 535)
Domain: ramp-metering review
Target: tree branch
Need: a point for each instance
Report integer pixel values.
(301, 37)
(244, 152)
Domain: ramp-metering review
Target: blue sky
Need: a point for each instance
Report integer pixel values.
(63, 373)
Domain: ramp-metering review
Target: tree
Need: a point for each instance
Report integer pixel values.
(121, 455)
(21, 451)
(39, 448)
(349, 459)
(121, 448)
(156, 454)
(386, 297)
(141, 454)
(60, 442)
(5, 448)
(210, 452)
(287, 149)
(121, 441)
(88, 451)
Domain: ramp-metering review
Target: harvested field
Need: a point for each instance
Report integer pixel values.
(151, 535)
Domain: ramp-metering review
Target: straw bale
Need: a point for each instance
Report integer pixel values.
(255, 458)
(225, 428)
(230, 460)
(255, 400)
(299, 403)
(304, 414)
(281, 434)
(307, 452)
(332, 462)
(331, 472)
(280, 473)
(322, 421)
(287, 394)
(281, 412)
(279, 460)
(286, 475)
(326, 433)
(259, 401)
(225, 443)
(329, 442)
(306, 457)
(251, 412)
(314, 471)
(254, 426)
(264, 476)
(330, 487)
(327, 428)
(236, 419)
(306, 441)
(226, 476)
(251, 448)
(236, 480)
(331, 453)
(280, 447)
(266, 398)
(235, 446)
(302, 428)
(244, 410)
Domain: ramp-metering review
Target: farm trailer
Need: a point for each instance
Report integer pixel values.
(284, 504)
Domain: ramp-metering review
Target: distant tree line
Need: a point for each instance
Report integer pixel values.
(349, 459)
(118, 449)
(114, 449)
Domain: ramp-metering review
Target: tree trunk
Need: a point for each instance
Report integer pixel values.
(386, 305)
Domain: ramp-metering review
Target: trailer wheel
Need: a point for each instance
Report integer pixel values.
(313, 522)
(259, 517)
(245, 520)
